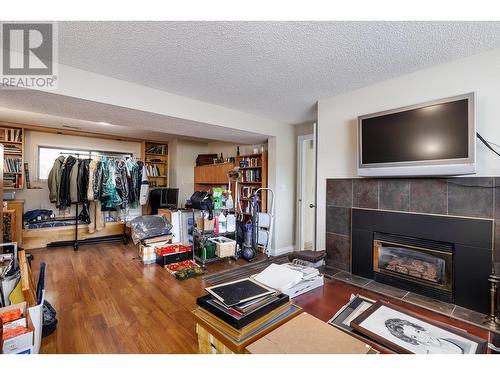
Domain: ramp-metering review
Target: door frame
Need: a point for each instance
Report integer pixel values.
(300, 188)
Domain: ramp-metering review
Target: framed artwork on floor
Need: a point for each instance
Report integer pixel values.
(355, 307)
(404, 332)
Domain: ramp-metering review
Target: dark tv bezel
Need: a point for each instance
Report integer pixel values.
(423, 167)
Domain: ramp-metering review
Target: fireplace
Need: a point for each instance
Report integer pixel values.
(414, 263)
(444, 257)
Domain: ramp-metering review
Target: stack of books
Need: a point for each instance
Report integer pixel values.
(13, 135)
(159, 149)
(12, 149)
(243, 308)
(12, 165)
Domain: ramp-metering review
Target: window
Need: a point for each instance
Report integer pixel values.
(47, 156)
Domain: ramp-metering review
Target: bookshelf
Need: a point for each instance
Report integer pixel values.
(156, 162)
(12, 139)
(253, 168)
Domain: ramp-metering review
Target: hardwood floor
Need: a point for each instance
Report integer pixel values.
(107, 301)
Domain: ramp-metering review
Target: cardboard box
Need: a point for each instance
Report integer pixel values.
(204, 224)
(22, 343)
(306, 334)
(147, 254)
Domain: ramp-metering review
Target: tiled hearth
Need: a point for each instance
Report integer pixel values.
(468, 196)
(474, 197)
(444, 308)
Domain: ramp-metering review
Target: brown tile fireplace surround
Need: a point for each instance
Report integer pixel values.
(428, 241)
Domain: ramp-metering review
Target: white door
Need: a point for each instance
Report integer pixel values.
(306, 192)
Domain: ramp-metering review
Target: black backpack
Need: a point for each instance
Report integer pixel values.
(49, 322)
(202, 200)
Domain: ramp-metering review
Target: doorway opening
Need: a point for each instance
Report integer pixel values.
(306, 192)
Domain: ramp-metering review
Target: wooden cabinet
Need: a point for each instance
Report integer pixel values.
(212, 174)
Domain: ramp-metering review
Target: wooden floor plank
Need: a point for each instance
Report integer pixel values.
(107, 301)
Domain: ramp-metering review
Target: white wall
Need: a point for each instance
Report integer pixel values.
(85, 85)
(337, 116)
(230, 149)
(39, 198)
(182, 159)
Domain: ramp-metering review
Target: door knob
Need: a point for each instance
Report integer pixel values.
(312, 205)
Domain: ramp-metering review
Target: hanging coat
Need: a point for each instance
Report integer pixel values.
(64, 186)
(83, 180)
(92, 173)
(73, 183)
(121, 182)
(98, 174)
(54, 181)
(144, 187)
(109, 196)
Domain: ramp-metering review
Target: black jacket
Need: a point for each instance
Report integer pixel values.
(64, 190)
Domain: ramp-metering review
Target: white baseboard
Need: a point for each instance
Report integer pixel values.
(282, 251)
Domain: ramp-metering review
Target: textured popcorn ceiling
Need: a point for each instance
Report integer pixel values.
(272, 69)
(47, 109)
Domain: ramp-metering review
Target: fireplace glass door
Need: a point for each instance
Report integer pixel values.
(418, 265)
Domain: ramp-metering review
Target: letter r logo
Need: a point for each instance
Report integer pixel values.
(27, 48)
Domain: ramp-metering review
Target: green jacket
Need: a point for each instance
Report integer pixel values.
(54, 180)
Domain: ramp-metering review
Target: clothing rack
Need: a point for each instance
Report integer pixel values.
(93, 240)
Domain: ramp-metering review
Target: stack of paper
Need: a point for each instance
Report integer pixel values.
(291, 279)
(279, 277)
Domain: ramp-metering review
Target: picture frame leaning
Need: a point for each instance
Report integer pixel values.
(405, 332)
(356, 305)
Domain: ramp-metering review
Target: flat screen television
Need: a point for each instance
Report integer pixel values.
(433, 138)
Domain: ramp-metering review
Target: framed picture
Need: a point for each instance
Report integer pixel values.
(404, 332)
(239, 291)
(355, 307)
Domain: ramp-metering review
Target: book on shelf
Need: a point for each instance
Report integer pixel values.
(153, 170)
(250, 162)
(153, 148)
(27, 175)
(13, 135)
(12, 180)
(12, 148)
(252, 175)
(12, 165)
(247, 192)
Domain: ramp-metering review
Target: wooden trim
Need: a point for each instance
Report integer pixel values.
(27, 282)
(40, 237)
(80, 133)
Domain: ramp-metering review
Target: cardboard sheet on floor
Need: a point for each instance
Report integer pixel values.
(306, 334)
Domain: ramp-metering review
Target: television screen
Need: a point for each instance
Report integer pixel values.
(431, 134)
(438, 131)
